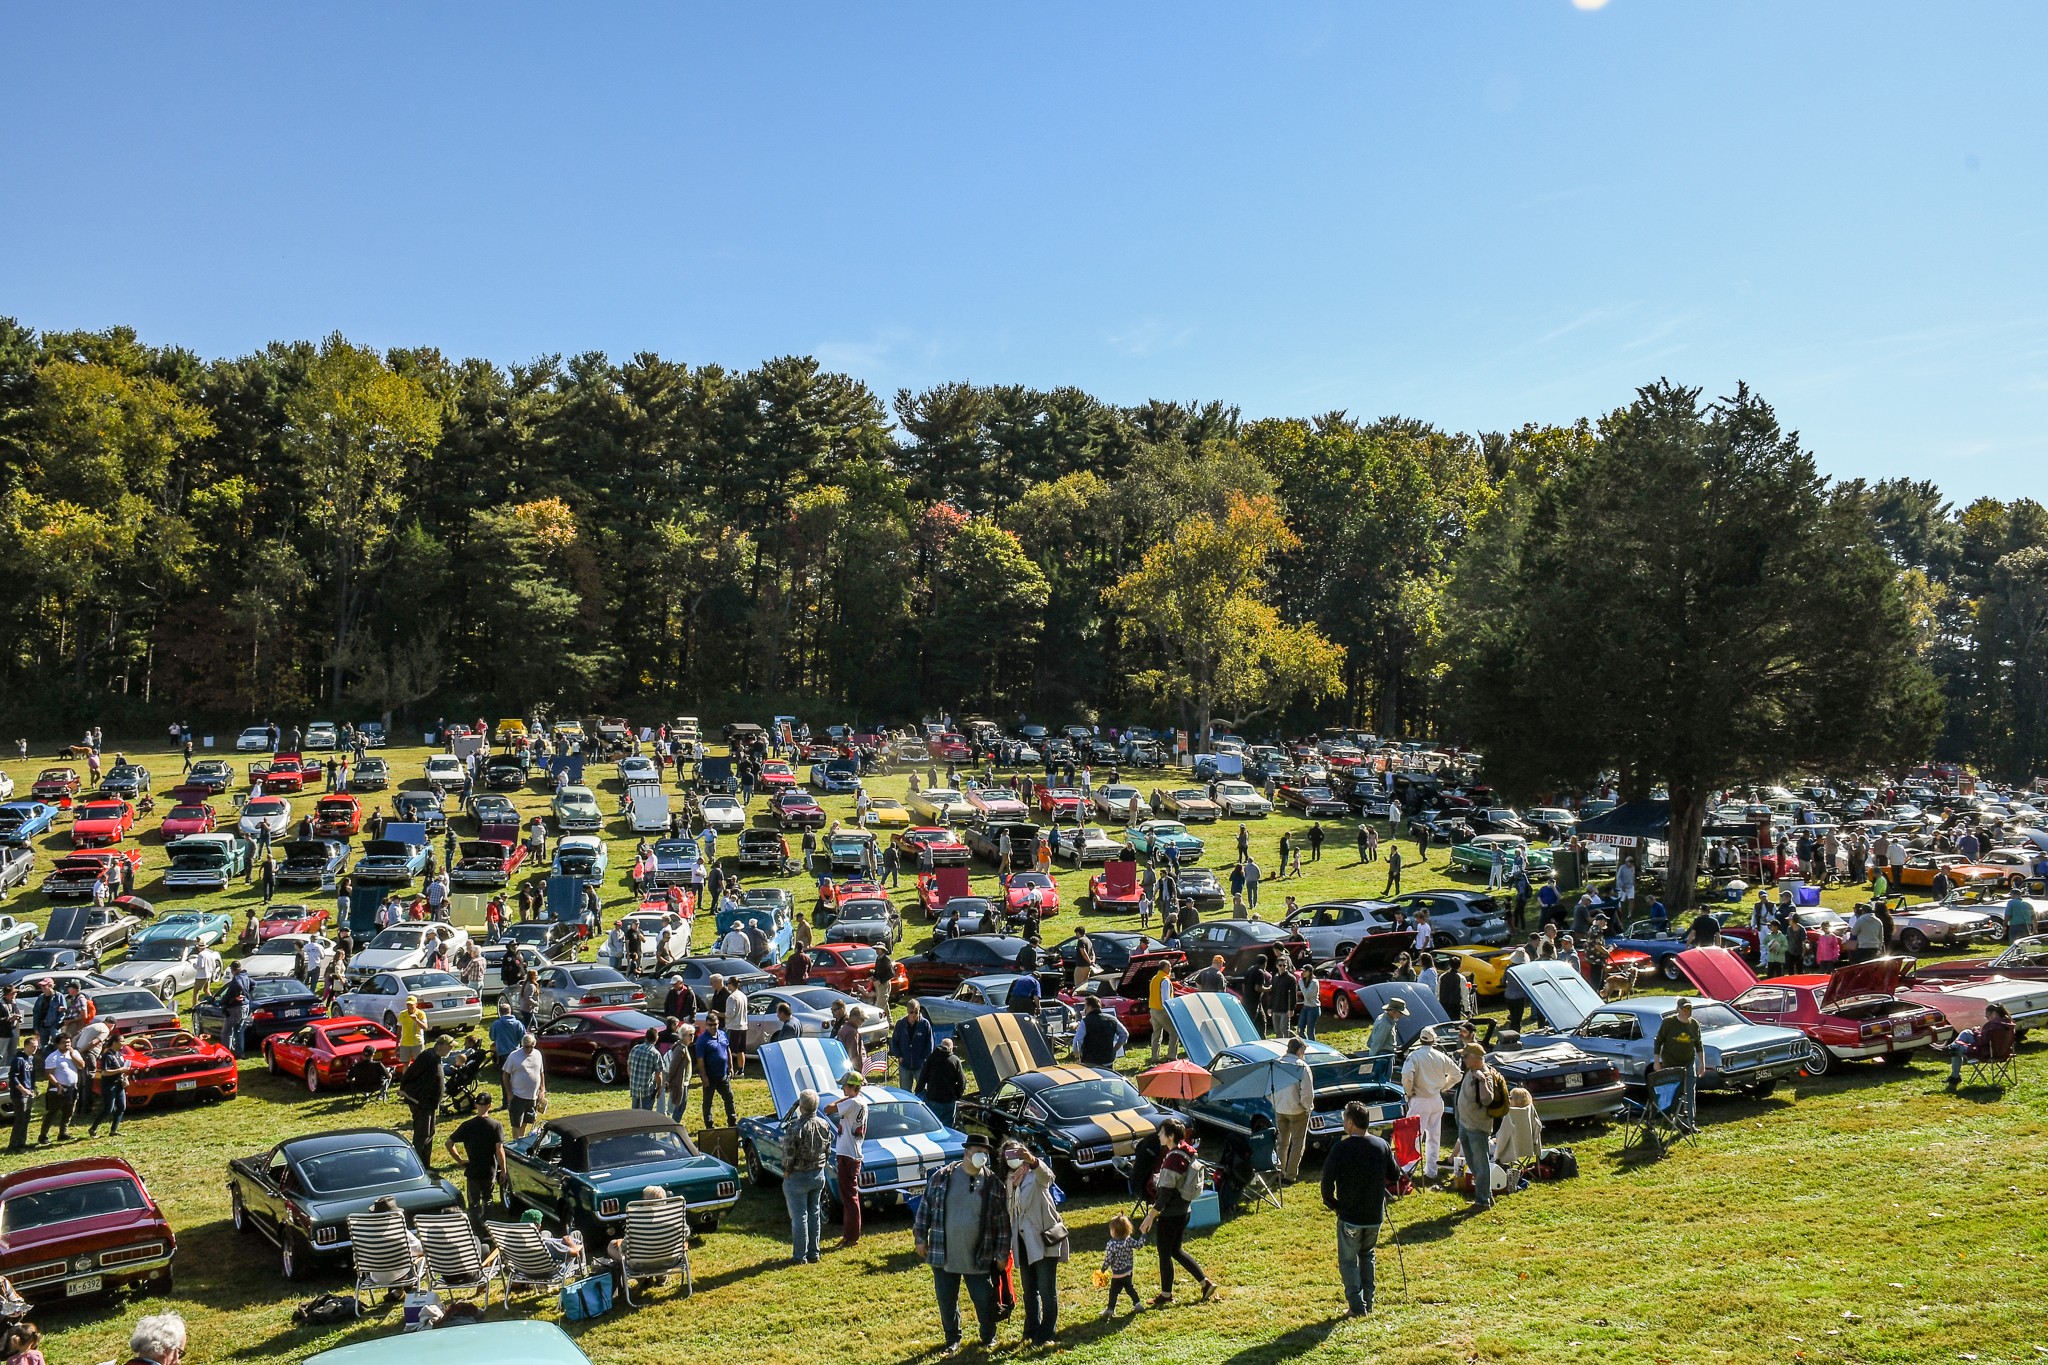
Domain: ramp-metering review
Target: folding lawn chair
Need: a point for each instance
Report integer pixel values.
(455, 1258)
(528, 1264)
(1251, 1169)
(1998, 1064)
(655, 1244)
(1652, 1122)
(381, 1247)
(1406, 1139)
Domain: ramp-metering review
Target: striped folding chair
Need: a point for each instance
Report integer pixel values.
(455, 1258)
(381, 1247)
(655, 1244)
(528, 1262)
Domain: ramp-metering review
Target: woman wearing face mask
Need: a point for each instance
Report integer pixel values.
(1039, 1239)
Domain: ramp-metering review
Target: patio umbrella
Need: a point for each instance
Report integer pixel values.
(1179, 1079)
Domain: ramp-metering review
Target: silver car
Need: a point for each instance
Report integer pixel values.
(584, 986)
(810, 1009)
(166, 967)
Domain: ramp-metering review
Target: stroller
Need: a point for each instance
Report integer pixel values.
(461, 1074)
(370, 1078)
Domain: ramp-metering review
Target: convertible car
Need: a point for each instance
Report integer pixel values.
(583, 1169)
(1852, 1014)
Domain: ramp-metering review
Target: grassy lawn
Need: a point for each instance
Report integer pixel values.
(1867, 1217)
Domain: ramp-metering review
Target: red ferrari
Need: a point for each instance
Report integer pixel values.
(327, 1052)
(594, 1042)
(170, 1061)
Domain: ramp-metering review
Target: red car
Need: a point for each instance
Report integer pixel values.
(337, 816)
(1062, 803)
(951, 748)
(57, 785)
(940, 885)
(794, 809)
(1852, 1014)
(831, 893)
(82, 1227)
(947, 850)
(196, 818)
(101, 822)
(1341, 985)
(1115, 887)
(848, 967)
(75, 874)
(2025, 960)
(1129, 997)
(777, 775)
(594, 1042)
(284, 775)
(326, 1052)
(486, 862)
(170, 1061)
(291, 919)
(1024, 887)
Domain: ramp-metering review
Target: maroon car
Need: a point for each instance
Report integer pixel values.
(1129, 997)
(2026, 959)
(947, 963)
(80, 1227)
(594, 1042)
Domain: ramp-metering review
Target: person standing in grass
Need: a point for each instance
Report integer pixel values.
(961, 1229)
(1176, 1184)
(1393, 886)
(804, 1150)
(1357, 1174)
(1478, 1091)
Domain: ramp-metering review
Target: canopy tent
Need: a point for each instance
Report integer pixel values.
(1635, 823)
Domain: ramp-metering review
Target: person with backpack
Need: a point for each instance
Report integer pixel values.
(1179, 1180)
(1357, 1175)
(1482, 1097)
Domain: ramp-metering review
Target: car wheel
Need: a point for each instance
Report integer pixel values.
(1343, 951)
(707, 1223)
(270, 1058)
(1669, 970)
(312, 1079)
(604, 1069)
(1342, 1006)
(1819, 1061)
(391, 1021)
(756, 1172)
(238, 1213)
(1913, 941)
(291, 1256)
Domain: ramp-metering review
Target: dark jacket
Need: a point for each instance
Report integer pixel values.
(1102, 1033)
(1356, 1175)
(424, 1083)
(943, 1079)
(911, 1044)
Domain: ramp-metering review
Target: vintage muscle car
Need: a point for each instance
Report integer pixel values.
(56, 785)
(1083, 845)
(208, 862)
(675, 862)
(763, 848)
(391, 860)
(795, 808)
(80, 1227)
(1162, 835)
(76, 875)
(939, 805)
(311, 862)
(1115, 887)
(337, 816)
(300, 1193)
(1853, 1013)
(1219, 1034)
(1080, 1118)
(484, 862)
(583, 1169)
(290, 919)
(1313, 802)
(21, 821)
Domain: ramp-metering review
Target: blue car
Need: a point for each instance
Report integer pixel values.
(21, 821)
(905, 1141)
(1219, 1035)
(836, 777)
(1739, 1055)
(1163, 835)
(202, 926)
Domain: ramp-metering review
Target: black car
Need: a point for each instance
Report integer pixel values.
(505, 775)
(421, 808)
(1199, 885)
(552, 940)
(697, 972)
(277, 1004)
(1240, 942)
(214, 774)
(964, 915)
(126, 780)
(21, 967)
(1443, 828)
(1457, 916)
(865, 919)
(943, 966)
(1113, 949)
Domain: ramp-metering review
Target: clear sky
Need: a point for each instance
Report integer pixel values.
(1475, 214)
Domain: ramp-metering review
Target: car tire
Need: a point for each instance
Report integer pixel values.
(391, 1021)
(1913, 941)
(604, 1068)
(707, 1223)
(1342, 1006)
(1763, 1090)
(1670, 970)
(760, 1175)
(1343, 951)
(292, 1258)
(269, 1057)
(1819, 1061)
(238, 1213)
(312, 1079)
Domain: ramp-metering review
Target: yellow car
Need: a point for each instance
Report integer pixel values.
(1488, 967)
(939, 806)
(886, 813)
(509, 730)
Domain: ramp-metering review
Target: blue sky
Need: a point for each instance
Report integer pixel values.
(1479, 215)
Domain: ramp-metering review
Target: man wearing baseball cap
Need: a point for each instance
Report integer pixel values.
(961, 1230)
(1678, 1047)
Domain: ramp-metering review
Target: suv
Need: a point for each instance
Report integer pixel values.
(1457, 916)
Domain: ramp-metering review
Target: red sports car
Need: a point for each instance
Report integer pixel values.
(1025, 888)
(1129, 997)
(848, 967)
(947, 850)
(594, 1042)
(326, 1052)
(1852, 1014)
(936, 887)
(1341, 985)
(197, 818)
(291, 919)
(337, 816)
(284, 775)
(777, 775)
(170, 1061)
(831, 893)
(82, 1227)
(56, 785)
(101, 822)
(1115, 887)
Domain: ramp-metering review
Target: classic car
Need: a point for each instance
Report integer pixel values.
(946, 848)
(1554, 823)
(836, 776)
(166, 967)
(1736, 1054)
(285, 774)
(675, 862)
(904, 1141)
(371, 734)
(1120, 803)
(638, 768)
(1487, 968)
(21, 821)
(1056, 804)
(576, 811)
(324, 1054)
(552, 940)
(664, 935)
(1661, 943)
(848, 968)
(867, 918)
(943, 966)
(1488, 820)
(1056, 1018)
(1026, 889)
(445, 771)
(505, 773)
(1312, 801)
(276, 1004)
(1218, 1034)
(337, 816)
(1199, 887)
(16, 863)
(1333, 928)
(1115, 887)
(273, 813)
(373, 774)
(94, 929)
(83, 1226)
(776, 775)
(253, 740)
(1125, 992)
(1241, 800)
(886, 812)
(1966, 1004)
(76, 876)
(722, 813)
(1189, 804)
(448, 1003)
(851, 850)
(1442, 827)
(1240, 943)
(1853, 1013)
(1114, 949)
(1080, 1118)
(323, 735)
(1475, 857)
(570, 986)
(422, 808)
(1456, 916)
(810, 1010)
(402, 947)
(2025, 959)
(582, 1170)
(16, 934)
(950, 748)
(99, 823)
(300, 1193)
(795, 808)
(939, 805)
(1920, 869)
(56, 785)
(1164, 835)
(208, 862)
(281, 919)
(996, 804)
(940, 887)
(1916, 928)
(764, 848)
(485, 862)
(311, 862)
(985, 841)
(193, 818)
(216, 775)
(168, 1062)
(392, 860)
(1082, 845)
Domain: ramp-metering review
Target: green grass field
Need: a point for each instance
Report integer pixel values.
(1867, 1217)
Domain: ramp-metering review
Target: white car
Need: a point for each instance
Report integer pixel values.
(321, 734)
(722, 813)
(638, 768)
(6, 786)
(167, 968)
(447, 770)
(657, 927)
(1088, 844)
(254, 740)
(1114, 802)
(403, 947)
(277, 956)
(271, 812)
(449, 1004)
(1241, 799)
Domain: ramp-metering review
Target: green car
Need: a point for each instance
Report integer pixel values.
(476, 1343)
(583, 1169)
(1476, 856)
(300, 1193)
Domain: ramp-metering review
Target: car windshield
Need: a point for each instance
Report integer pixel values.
(1038, 879)
(126, 1002)
(1710, 1017)
(360, 1168)
(1260, 930)
(864, 910)
(429, 981)
(596, 976)
(727, 967)
(633, 1021)
(900, 1120)
(188, 813)
(819, 998)
(638, 1149)
(160, 950)
(270, 988)
(350, 1034)
(263, 807)
(69, 1203)
(1082, 1099)
(35, 957)
(99, 810)
(399, 936)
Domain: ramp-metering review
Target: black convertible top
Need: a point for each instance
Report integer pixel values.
(605, 1122)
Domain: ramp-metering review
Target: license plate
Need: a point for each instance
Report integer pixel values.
(188, 1085)
(294, 1012)
(1770, 1073)
(1574, 1081)
(89, 1284)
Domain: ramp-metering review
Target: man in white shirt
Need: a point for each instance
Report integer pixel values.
(736, 1029)
(1426, 1075)
(1425, 937)
(1293, 1096)
(850, 1112)
(735, 943)
(526, 1085)
(210, 965)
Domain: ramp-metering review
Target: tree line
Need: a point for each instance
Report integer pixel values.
(320, 527)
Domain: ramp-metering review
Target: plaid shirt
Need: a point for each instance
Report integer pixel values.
(929, 1226)
(643, 1069)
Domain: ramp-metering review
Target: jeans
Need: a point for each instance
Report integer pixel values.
(1251, 895)
(650, 1100)
(1516, 1004)
(942, 1110)
(1478, 1146)
(234, 1024)
(1310, 1016)
(981, 1290)
(1038, 1282)
(1355, 1243)
(722, 1086)
(849, 1199)
(57, 1105)
(113, 1106)
(804, 1193)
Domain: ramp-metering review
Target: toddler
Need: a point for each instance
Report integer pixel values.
(1118, 1262)
(25, 1341)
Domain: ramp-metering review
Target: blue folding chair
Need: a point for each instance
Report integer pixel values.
(1653, 1121)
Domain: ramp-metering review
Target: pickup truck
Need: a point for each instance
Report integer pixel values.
(208, 861)
(76, 874)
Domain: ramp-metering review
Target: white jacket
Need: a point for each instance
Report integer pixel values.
(1428, 1073)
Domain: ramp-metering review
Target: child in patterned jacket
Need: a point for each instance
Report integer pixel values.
(1119, 1259)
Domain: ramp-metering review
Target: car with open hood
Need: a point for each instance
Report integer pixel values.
(21, 821)
(768, 909)
(1341, 985)
(486, 862)
(208, 862)
(905, 1140)
(171, 1063)
(81, 1227)
(399, 857)
(78, 876)
(300, 1193)
(1082, 1119)
(95, 930)
(1218, 1034)
(1736, 1054)
(1851, 1014)
(1125, 993)
(1115, 888)
(312, 862)
(761, 847)
(337, 815)
(583, 1169)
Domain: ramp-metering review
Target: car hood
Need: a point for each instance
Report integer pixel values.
(1424, 1011)
(1879, 976)
(1376, 952)
(1718, 972)
(1206, 1022)
(1560, 997)
(1000, 1045)
(380, 959)
(801, 1064)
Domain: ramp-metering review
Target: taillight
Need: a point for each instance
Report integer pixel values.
(588, 1000)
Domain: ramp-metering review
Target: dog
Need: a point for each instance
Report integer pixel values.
(77, 751)
(1621, 983)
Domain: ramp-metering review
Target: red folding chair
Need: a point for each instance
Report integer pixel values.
(1407, 1140)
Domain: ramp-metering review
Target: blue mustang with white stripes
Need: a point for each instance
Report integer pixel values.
(1219, 1035)
(905, 1141)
